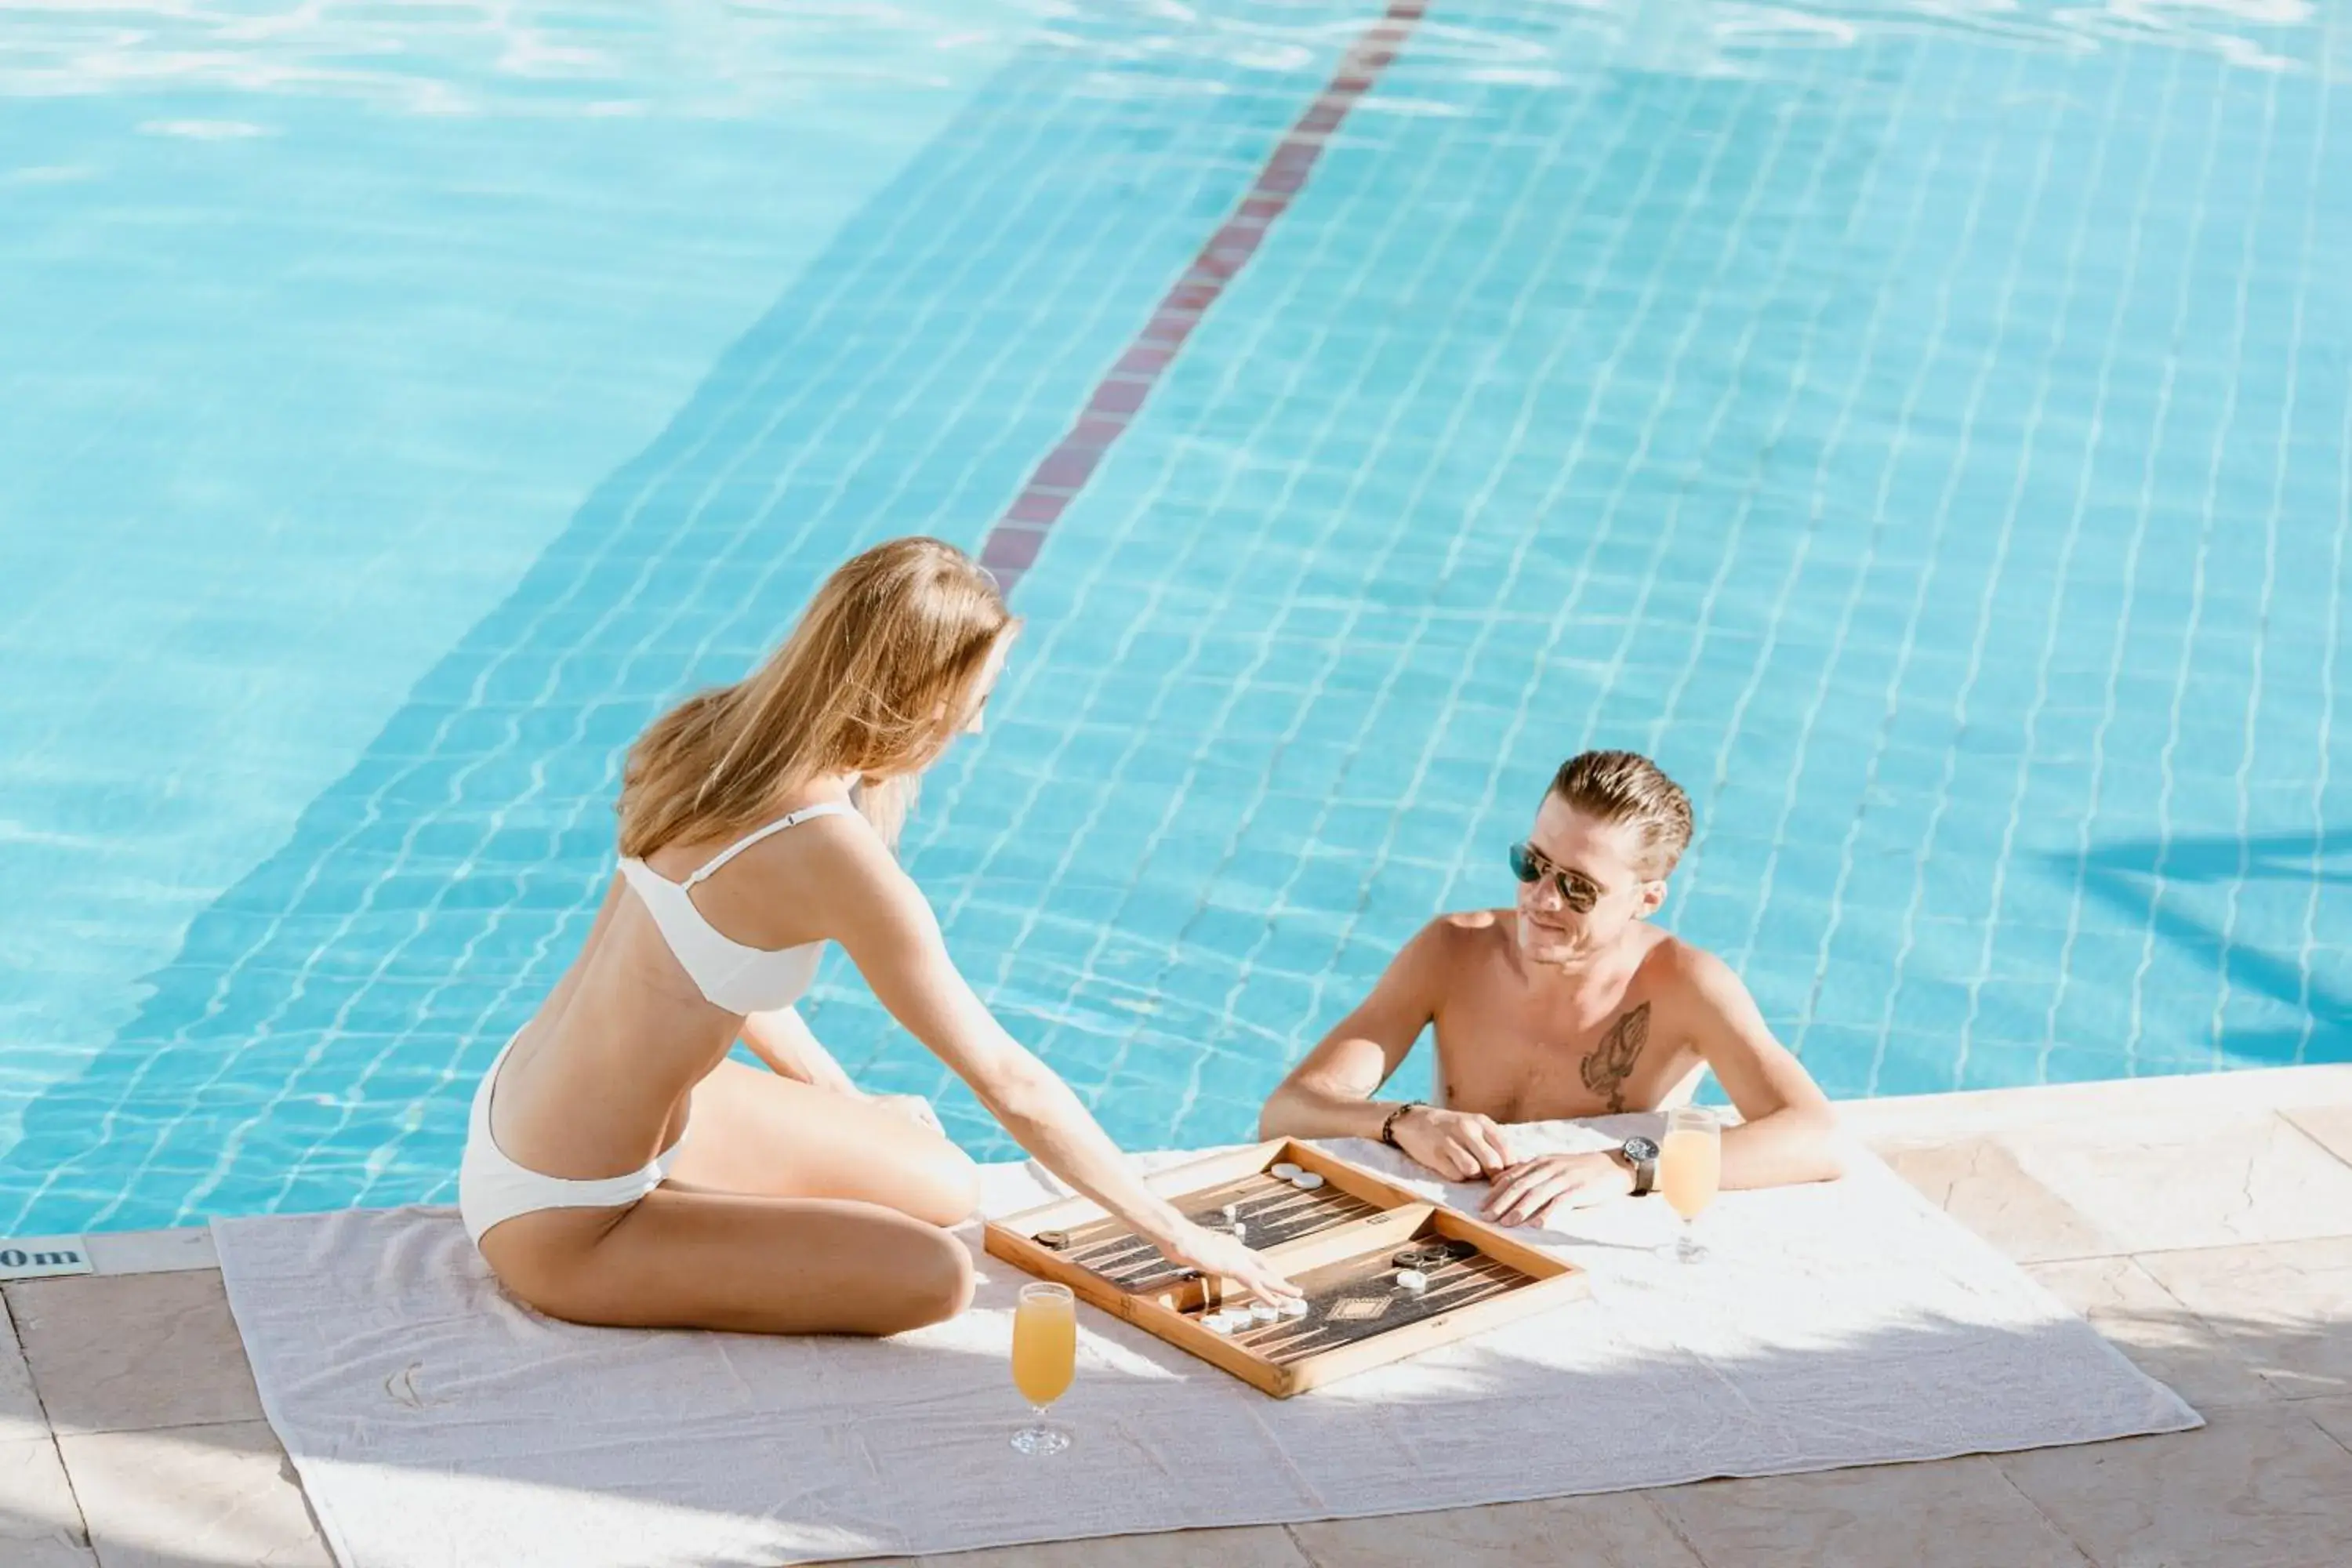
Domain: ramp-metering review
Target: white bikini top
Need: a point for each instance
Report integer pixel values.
(738, 978)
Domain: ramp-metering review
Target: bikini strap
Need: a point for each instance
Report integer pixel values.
(822, 808)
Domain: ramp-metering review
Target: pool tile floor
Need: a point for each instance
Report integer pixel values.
(2207, 1234)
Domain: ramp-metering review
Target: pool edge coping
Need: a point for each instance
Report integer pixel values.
(1897, 1120)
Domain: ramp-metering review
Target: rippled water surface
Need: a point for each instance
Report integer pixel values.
(1924, 427)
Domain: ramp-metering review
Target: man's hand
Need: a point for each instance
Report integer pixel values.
(1532, 1191)
(1456, 1144)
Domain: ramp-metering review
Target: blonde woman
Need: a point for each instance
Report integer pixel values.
(620, 1169)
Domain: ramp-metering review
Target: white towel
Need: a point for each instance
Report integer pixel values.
(434, 1422)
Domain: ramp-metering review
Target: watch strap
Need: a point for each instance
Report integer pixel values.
(1645, 1172)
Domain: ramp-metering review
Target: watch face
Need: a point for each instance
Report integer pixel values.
(1640, 1149)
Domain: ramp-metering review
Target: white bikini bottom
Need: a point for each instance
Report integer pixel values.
(492, 1189)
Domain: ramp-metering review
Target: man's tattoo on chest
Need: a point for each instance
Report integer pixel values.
(1611, 1061)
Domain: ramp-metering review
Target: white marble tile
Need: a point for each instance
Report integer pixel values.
(1956, 1513)
(1622, 1529)
(2329, 1126)
(40, 1527)
(20, 1407)
(2283, 1308)
(1979, 1184)
(2261, 1484)
(2165, 1339)
(2184, 1101)
(1252, 1546)
(129, 1351)
(152, 1251)
(2222, 1183)
(193, 1494)
(2333, 1416)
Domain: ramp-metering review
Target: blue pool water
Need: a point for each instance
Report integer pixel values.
(1924, 427)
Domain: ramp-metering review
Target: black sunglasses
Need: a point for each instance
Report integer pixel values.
(1577, 891)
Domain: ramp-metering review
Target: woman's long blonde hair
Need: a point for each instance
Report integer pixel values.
(874, 679)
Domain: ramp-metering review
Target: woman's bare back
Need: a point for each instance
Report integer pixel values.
(597, 1083)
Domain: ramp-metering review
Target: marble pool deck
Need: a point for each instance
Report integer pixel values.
(2204, 1225)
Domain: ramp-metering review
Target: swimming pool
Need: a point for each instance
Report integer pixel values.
(1924, 428)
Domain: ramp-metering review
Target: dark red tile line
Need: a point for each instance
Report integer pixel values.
(1013, 544)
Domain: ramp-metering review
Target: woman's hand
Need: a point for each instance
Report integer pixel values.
(1212, 1252)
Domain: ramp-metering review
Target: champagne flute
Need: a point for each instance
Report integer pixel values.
(1045, 1359)
(1690, 1170)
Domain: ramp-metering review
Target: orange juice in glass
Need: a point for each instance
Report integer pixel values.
(1690, 1170)
(1045, 1359)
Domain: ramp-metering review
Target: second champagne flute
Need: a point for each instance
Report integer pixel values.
(1690, 1170)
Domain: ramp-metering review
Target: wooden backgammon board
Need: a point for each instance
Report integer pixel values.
(1387, 1274)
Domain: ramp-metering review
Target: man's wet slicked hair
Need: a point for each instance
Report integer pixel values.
(1627, 788)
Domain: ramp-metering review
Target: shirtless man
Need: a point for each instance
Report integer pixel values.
(1569, 1004)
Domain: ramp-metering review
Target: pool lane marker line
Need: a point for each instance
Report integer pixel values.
(1012, 546)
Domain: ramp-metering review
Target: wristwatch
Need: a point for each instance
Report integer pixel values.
(1642, 1154)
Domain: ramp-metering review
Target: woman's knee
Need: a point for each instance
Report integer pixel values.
(953, 1183)
(930, 1179)
(931, 1283)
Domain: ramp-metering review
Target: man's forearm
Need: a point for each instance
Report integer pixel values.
(1781, 1150)
(1302, 1113)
